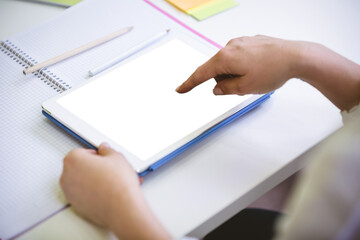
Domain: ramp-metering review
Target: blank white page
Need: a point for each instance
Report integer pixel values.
(137, 106)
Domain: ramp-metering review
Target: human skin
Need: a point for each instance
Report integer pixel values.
(103, 187)
(261, 64)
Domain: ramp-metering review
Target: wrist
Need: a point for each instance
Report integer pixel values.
(309, 61)
(120, 198)
(298, 59)
(130, 217)
(336, 77)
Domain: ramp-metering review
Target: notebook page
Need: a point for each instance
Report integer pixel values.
(31, 153)
(34, 147)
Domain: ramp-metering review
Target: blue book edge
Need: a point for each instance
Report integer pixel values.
(181, 149)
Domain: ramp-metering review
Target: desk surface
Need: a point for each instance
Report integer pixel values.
(223, 174)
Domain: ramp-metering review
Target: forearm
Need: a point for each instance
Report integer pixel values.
(333, 75)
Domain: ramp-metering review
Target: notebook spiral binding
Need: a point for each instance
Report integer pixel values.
(26, 61)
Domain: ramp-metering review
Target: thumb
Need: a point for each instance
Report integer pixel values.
(104, 149)
(234, 85)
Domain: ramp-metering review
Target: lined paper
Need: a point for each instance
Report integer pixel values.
(32, 146)
(31, 154)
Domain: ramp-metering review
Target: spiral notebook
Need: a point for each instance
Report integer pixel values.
(33, 147)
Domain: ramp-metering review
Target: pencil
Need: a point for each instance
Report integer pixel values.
(128, 53)
(78, 50)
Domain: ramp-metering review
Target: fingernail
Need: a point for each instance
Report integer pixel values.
(218, 91)
(177, 89)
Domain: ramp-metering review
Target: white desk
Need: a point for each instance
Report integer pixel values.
(223, 174)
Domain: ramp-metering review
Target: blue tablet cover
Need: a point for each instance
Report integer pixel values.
(183, 148)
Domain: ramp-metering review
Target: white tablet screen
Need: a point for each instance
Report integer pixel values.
(136, 105)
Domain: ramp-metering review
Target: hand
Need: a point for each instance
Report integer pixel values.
(91, 181)
(255, 65)
(103, 187)
(247, 65)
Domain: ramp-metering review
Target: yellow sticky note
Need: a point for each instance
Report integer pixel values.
(211, 8)
(187, 4)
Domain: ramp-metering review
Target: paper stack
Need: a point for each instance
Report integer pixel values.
(201, 9)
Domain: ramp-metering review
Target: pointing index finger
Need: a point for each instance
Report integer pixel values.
(202, 74)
